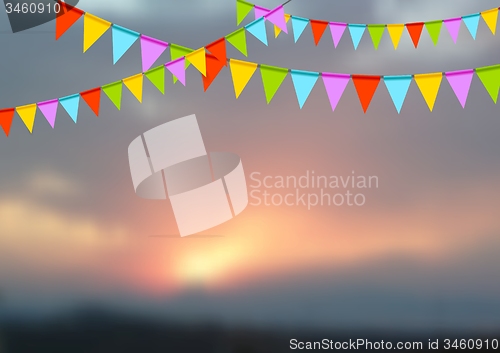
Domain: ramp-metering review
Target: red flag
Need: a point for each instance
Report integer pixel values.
(366, 87)
(93, 99)
(214, 66)
(218, 49)
(6, 117)
(66, 17)
(318, 28)
(415, 31)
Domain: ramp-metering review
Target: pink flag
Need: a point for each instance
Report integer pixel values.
(49, 110)
(337, 30)
(178, 69)
(335, 85)
(453, 26)
(277, 18)
(151, 50)
(260, 12)
(460, 81)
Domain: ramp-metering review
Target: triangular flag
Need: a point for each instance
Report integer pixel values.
(429, 86)
(453, 26)
(214, 66)
(198, 59)
(243, 8)
(318, 28)
(157, 77)
(93, 99)
(6, 117)
(395, 32)
(460, 82)
(272, 78)
(472, 22)
(357, 32)
(366, 87)
(335, 85)
(241, 72)
(218, 49)
(114, 93)
(415, 31)
(260, 11)
(277, 18)
(93, 29)
(490, 77)
(277, 30)
(151, 50)
(123, 39)
(238, 39)
(71, 105)
(398, 89)
(491, 18)
(135, 84)
(376, 33)
(337, 29)
(178, 69)
(49, 110)
(27, 114)
(298, 26)
(434, 30)
(176, 52)
(258, 29)
(66, 18)
(304, 82)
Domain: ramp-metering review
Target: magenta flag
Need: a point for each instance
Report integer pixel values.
(151, 49)
(337, 30)
(260, 11)
(453, 26)
(277, 18)
(178, 69)
(460, 81)
(49, 110)
(335, 85)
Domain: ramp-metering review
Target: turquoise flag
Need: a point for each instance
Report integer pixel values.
(123, 39)
(71, 105)
(398, 89)
(258, 29)
(357, 32)
(472, 22)
(298, 26)
(304, 82)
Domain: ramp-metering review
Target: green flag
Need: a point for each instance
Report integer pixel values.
(490, 77)
(243, 8)
(376, 33)
(178, 51)
(434, 29)
(238, 39)
(272, 78)
(114, 93)
(157, 77)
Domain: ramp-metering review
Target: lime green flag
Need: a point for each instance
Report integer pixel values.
(243, 8)
(239, 40)
(157, 77)
(114, 93)
(434, 29)
(376, 33)
(178, 51)
(490, 77)
(272, 78)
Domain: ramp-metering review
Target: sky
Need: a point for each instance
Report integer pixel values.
(420, 253)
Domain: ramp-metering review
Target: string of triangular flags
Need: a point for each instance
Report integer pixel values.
(356, 30)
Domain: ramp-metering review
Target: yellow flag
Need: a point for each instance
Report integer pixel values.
(395, 31)
(242, 72)
(429, 86)
(27, 114)
(93, 28)
(491, 18)
(134, 84)
(277, 30)
(199, 60)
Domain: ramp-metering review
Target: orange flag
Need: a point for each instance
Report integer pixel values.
(214, 67)
(93, 99)
(415, 31)
(66, 18)
(218, 49)
(6, 117)
(318, 28)
(366, 87)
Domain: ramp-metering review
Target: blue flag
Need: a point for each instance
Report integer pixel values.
(398, 89)
(472, 22)
(123, 39)
(298, 26)
(71, 104)
(304, 82)
(357, 32)
(258, 29)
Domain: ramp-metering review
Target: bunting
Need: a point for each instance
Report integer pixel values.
(135, 85)
(123, 39)
(365, 87)
(93, 29)
(272, 78)
(93, 99)
(151, 50)
(241, 72)
(49, 110)
(114, 93)
(398, 86)
(303, 82)
(429, 87)
(157, 77)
